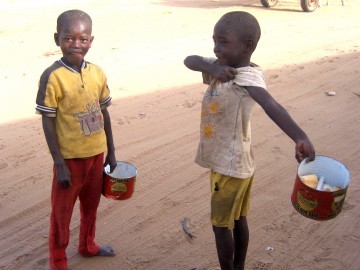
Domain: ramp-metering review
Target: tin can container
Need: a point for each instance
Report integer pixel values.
(317, 204)
(120, 184)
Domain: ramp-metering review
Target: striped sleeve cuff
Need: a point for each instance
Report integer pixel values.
(105, 103)
(50, 112)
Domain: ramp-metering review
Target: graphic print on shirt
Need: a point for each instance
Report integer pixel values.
(209, 112)
(91, 121)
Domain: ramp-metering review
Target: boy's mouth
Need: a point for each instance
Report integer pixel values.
(75, 52)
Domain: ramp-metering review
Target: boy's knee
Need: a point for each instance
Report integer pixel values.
(220, 230)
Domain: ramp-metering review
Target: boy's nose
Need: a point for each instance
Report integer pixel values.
(76, 43)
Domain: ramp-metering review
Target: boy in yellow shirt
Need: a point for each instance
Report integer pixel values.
(73, 97)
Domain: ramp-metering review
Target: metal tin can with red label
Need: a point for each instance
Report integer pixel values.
(320, 188)
(119, 185)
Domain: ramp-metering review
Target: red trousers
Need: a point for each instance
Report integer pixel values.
(86, 179)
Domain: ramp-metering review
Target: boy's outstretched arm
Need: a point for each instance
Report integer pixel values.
(62, 171)
(110, 156)
(304, 147)
(220, 73)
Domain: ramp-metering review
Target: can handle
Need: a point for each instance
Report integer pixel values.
(107, 169)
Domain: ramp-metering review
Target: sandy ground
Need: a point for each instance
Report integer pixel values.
(155, 116)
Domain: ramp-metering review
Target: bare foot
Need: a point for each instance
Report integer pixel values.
(106, 251)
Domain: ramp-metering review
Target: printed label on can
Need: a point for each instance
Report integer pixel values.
(306, 201)
(120, 180)
(118, 187)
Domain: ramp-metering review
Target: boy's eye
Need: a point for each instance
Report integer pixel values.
(220, 41)
(71, 39)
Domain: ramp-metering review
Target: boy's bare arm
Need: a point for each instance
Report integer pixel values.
(62, 171)
(110, 156)
(220, 73)
(304, 147)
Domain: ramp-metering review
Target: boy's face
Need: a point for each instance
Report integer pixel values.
(74, 39)
(228, 47)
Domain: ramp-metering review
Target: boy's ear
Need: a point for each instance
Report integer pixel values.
(91, 40)
(56, 39)
(250, 45)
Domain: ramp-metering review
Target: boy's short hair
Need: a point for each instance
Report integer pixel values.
(244, 23)
(71, 15)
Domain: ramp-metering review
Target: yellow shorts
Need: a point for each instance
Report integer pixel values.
(230, 199)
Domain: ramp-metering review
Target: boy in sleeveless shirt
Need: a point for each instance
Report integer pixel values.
(235, 86)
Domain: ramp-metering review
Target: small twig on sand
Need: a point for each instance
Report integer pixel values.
(357, 94)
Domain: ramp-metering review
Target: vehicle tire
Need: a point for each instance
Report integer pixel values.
(309, 5)
(268, 3)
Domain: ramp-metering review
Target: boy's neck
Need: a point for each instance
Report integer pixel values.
(75, 67)
(244, 63)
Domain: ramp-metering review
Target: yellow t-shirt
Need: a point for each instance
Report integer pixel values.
(75, 100)
(225, 132)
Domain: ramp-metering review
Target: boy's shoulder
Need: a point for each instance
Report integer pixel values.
(52, 68)
(94, 68)
(49, 70)
(250, 76)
